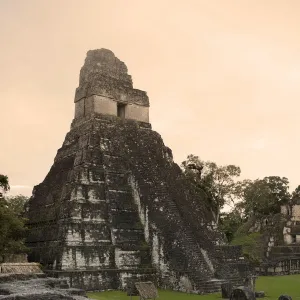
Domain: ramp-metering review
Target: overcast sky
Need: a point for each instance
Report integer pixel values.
(223, 78)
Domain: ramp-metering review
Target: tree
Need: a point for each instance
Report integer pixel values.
(4, 184)
(18, 204)
(12, 230)
(12, 223)
(296, 193)
(252, 245)
(217, 182)
(229, 223)
(258, 199)
(263, 196)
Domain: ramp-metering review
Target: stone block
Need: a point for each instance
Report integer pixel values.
(226, 289)
(260, 294)
(285, 297)
(242, 293)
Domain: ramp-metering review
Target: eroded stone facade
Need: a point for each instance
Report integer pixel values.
(106, 88)
(114, 205)
(291, 232)
(281, 240)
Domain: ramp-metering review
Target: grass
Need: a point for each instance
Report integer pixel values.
(163, 295)
(279, 285)
(272, 286)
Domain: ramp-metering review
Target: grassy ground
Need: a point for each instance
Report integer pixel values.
(272, 286)
(279, 285)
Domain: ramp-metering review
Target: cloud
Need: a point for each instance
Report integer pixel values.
(20, 187)
(17, 189)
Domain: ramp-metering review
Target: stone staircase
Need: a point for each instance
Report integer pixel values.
(210, 286)
(62, 284)
(127, 216)
(202, 274)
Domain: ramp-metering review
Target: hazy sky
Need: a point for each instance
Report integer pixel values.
(223, 78)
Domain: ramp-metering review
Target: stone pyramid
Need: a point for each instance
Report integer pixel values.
(114, 206)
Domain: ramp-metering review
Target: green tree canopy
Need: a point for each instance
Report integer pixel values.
(263, 196)
(12, 223)
(18, 204)
(12, 230)
(4, 183)
(217, 182)
(252, 245)
(296, 193)
(230, 222)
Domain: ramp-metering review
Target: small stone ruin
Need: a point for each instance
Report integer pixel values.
(226, 289)
(37, 287)
(18, 264)
(249, 282)
(242, 293)
(146, 290)
(248, 289)
(284, 297)
(260, 294)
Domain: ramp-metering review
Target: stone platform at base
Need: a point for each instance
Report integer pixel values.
(103, 279)
(116, 279)
(37, 287)
(20, 268)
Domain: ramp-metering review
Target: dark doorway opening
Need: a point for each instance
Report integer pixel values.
(121, 110)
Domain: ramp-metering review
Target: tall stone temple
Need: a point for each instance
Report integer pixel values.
(114, 206)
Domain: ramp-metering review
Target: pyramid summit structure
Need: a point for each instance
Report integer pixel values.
(114, 206)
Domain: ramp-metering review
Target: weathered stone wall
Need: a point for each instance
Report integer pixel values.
(137, 112)
(226, 252)
(287, 237)
(103, 83)
(108, 106)
(20, 268)
(291, 231)
(296, 212)
(282, 266)
(104, 105)
(285, 251)
(280, 237)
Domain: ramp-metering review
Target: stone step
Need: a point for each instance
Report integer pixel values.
(78, 292)
(209, 289)
(57, 283)
(12, 277)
